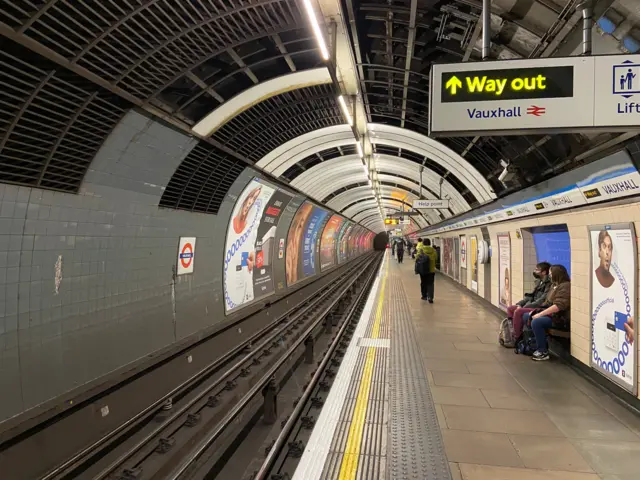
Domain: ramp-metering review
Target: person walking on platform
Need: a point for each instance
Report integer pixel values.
(532, 300)
(400, 251)
(426, 259)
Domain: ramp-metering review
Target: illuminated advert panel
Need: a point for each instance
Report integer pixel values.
(251, 244)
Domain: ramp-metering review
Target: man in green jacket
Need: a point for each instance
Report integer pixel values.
(427, 278)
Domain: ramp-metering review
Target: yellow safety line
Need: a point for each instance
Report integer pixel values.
(349, 466)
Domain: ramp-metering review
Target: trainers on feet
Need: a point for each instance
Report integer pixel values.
(540, 356)
(430, 300)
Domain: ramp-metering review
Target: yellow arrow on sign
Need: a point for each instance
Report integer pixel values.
(453, 84)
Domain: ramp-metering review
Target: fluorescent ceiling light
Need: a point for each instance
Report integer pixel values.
(316, 29)
(345, 110)
(359, 147)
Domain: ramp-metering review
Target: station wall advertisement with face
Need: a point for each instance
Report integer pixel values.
(613, 303)
(504, 269)
(301, 242)
(329, 242)
(473, 247)
(250, 243)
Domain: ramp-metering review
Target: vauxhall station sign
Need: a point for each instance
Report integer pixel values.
(535, 96)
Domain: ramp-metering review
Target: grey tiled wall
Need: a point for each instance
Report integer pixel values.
(118, 251)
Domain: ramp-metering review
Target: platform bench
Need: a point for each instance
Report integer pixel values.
(552, 332)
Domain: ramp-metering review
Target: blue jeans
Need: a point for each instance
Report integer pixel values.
(539, 326)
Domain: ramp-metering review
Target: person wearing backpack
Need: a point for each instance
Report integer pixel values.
(400, 250)
(532, 300)
(554, 312)
(426, 257)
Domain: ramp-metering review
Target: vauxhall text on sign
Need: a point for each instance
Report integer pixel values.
(527, 96)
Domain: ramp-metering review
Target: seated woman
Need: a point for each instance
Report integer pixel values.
(555, 311)
(533, 300)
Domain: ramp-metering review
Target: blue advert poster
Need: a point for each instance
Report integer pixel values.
(316, 220)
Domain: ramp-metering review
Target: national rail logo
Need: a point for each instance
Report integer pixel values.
(535, 110)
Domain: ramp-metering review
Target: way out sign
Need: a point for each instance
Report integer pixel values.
(186, 254)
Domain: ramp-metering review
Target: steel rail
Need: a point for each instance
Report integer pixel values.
(282, 438)
(228, 419)
(257, 349)
(77, 459)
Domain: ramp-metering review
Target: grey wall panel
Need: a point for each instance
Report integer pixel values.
(118, 300)
(118, 252)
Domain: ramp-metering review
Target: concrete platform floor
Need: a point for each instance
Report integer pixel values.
(506, 417)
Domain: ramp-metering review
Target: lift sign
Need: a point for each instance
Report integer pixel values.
(507, 84)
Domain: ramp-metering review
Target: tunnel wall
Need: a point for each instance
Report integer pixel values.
(523, 260)
(87, 280)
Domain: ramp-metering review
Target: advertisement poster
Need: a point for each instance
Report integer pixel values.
(463, 260)
(342, 241)
(329, 241)
(450, 261)
(456, 258)
(504, 269)
(473, 246)
(250, 244)
(295, 242)
(350, 246)
(613, 303)
(444, 263)
(311, 233)
(355, 240)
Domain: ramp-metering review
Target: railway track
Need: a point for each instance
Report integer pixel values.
(284, 451)
(194, 423)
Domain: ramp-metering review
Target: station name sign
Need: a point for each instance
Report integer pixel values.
(533, 96)
(619, 182)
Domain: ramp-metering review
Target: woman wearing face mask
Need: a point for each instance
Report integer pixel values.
(532, 300)
(555, 311)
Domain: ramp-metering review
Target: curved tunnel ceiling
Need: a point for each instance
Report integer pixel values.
(283, 157)
(388, 195)
(358, 196)
(249, 80)
(323, 179)
(259, 93)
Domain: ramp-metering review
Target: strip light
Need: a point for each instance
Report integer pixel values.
(316, 29)
(345, 110)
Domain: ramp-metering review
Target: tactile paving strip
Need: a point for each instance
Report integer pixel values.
(371, 463)
(324, 452)
(415, 448)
